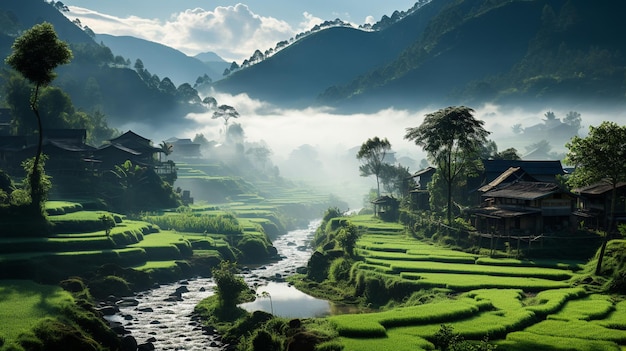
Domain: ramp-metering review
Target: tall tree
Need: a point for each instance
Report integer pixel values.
(36, 54)
(599, 157)
(226, 112)
(452, 138)
(372, 155)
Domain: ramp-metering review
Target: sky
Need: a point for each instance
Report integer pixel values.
(233, 30)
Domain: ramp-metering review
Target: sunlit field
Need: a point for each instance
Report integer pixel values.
(516, 304)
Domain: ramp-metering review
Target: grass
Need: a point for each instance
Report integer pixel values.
(523, 341)
(587, 308)
(441, 267)
(578, 329)
(24, 303)
(376, 324)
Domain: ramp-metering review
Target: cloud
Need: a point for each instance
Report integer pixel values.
(233, 32)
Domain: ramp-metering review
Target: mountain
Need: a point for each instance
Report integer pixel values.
(93, 80)
(162, 60)
(295, 75)
(568, 52)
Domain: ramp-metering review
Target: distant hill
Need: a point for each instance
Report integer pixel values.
(164, 61)
(452, 52)
(297, 74)
(517, 52)
(92, 79)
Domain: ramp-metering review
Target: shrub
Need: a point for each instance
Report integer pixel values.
(110, 285)
(339, 270)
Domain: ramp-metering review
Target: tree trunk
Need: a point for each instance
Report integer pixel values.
(36, 195)
(609, 229)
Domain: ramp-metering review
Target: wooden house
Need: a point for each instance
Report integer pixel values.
(128, 146)
(593, 208)
(420, 198)
(524, 207)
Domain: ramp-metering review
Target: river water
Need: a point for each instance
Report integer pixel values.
(163, 316)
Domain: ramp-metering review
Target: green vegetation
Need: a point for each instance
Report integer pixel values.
(423, 291)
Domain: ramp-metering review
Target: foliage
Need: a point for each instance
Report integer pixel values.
(451, 137)
(198, 223)
(396, 179)
(107, 223)
(226, 112)
(36, 53)
(600, 157)
(130, 187)
(447, 340)
(229, 286)
(372, 155)
(347, 236)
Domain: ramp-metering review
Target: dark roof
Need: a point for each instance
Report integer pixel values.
(544, 171)
(130, 135)
(424, 171)
(524, 191)
(117, 147)
(497, 212)
(385, 199)
(509, 176)
(598, 188)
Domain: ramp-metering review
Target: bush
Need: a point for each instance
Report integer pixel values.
(110, 285)
(340, 270)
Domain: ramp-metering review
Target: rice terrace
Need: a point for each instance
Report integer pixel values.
(451, 177)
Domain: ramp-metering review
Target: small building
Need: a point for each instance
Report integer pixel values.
(128, 146)
(420, 197)
(593, 208)
(386, 207)
(524, 207)
(184, 148)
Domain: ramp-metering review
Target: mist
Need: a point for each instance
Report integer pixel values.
(319, 146)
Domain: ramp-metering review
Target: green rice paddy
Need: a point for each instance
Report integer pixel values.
(517, 304)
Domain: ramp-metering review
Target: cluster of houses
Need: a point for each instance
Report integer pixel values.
(519, 197)
(70, 157)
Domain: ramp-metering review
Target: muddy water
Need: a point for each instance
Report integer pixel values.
(162, 317)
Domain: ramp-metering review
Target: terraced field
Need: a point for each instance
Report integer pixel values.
(517, 304)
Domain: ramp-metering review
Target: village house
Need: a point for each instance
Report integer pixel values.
(524, 207)
(593, 207)
(420, 198)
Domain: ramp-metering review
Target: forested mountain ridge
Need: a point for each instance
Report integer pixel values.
(514, 51)
(96, 79)
(162, 60)
(298, 73)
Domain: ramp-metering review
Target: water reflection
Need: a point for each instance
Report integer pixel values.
(286, 301)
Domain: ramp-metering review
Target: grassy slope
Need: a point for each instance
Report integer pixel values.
(525, 304)
(24, 303)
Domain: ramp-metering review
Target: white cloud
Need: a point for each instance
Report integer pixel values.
(233, 32)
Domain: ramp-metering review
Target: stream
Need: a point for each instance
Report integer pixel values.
(162, 317)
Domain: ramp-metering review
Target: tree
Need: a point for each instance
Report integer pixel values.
(573, 120)
(599, 157)
(372, 155)
(452, 138)
(396, 179)
(166, 148)
(210, 102)
(36, 54)
(229, 285)
(226, 112)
